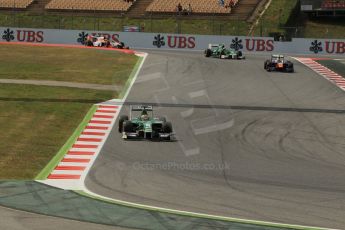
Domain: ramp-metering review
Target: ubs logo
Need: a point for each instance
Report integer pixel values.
(159, 41)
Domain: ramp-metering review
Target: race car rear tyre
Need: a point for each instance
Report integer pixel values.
(127, 126)
(89, 43)
(121, 120)
(167, 127)
(222, 54)
(208, 53)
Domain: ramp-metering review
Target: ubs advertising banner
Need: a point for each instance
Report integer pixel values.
(139, 40)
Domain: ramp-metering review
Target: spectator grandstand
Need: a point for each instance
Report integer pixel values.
(192, 6)
(330, 4)
(17, 4)
(323, 7)
(232, 9)
(239, 10)
(89, 5)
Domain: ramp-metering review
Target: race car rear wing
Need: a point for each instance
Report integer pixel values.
(141, 107)
(210, 46)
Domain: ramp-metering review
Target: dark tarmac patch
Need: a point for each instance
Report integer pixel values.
(43, 199)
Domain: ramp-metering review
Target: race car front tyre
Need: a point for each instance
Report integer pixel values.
(239, 54)
(121, 120)
(127, 126)
(222, 54)
(167, 127)
(89, 43)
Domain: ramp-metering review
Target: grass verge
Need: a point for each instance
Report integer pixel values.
(65, 64)
(284, 16)
(276, 16)
(324, 28)
(57, 158)
(37, 120)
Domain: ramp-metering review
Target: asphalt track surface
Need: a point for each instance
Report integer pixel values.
(283, 161)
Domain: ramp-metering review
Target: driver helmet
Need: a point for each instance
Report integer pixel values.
(144, 116)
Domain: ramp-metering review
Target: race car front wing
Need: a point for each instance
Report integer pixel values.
(127, 135)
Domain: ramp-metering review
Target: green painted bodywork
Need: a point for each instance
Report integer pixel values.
(219, 51)
(145, 125)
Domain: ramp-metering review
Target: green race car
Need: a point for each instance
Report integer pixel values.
(144, 125)
(219, 51)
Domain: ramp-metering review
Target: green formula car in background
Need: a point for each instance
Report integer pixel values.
(144, 125)
(219, 51)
